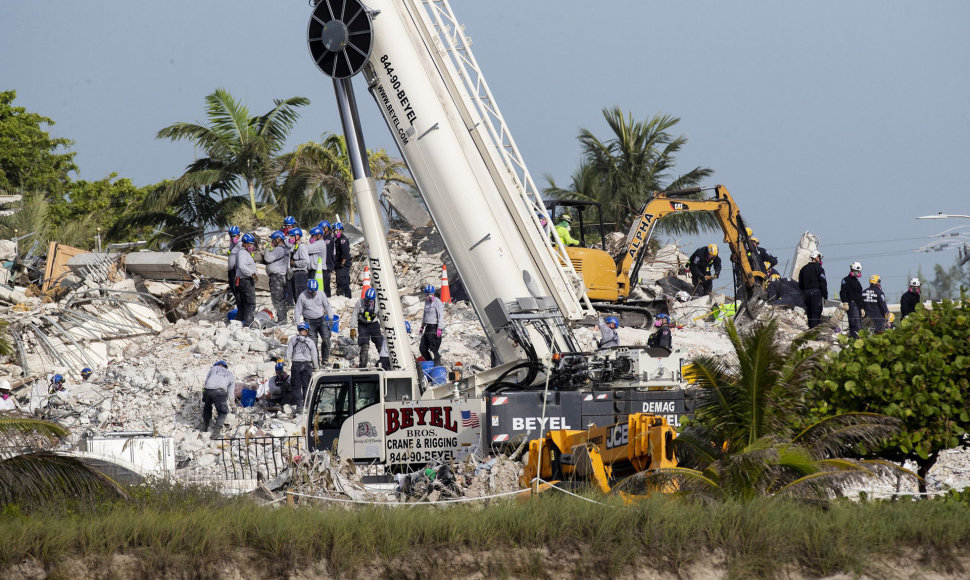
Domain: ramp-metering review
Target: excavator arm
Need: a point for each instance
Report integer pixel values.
(722, 205)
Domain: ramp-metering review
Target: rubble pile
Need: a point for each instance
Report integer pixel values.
(151, 325)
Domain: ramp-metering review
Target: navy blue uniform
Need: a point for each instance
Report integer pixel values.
(814, 286)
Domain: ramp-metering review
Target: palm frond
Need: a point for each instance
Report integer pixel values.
(33, 478)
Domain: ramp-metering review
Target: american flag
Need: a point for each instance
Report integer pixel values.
(469, 420)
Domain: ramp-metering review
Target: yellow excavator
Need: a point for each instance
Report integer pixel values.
(608, 278)
(601, 456)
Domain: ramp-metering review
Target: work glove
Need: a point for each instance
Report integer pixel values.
(708, 277)
(353, 333)
(845, 306)
(862, 314)
(438, 333)
(255, 278)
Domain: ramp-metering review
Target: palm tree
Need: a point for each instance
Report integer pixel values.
(237, 144)
(31, 474)
(181, 213)
(624, 171)
(317, 178)
(746, 438)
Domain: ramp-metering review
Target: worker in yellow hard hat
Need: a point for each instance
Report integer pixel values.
(705, 265)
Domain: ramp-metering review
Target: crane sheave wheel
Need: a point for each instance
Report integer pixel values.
(340, 37)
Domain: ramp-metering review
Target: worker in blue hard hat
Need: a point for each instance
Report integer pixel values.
(317, 249)
(246, 278)
(235, 244)
(609, 337)
(365, 325)
(299, 262)
(86, 373)
(313, 308)
(277, 261)
(302, 354)
(341, 259)
(278, 386)
(329, 265)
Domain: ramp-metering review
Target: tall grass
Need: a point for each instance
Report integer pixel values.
(190, 532)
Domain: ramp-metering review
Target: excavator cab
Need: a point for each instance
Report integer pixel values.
(590, 258)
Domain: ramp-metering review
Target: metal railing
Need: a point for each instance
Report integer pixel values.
(261, 458)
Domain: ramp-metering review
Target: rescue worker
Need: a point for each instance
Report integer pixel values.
(328, 264)
(277, 261)
(341, 260)
(910, 298)
(432, 326)
(875, 310)
(278, 386)
(313, 308)
(609, 337)
(814, 286)
(86, 373)
(764, 255)
(299, 262)
(246, 278)
(7, 401)
(705, 265)
(234, 247)
(218, 384)
(384, 356)
(563, 228)
(302, 354)
(289, 224)
(851, 296)
(661, 338)
(364, 318)
(317, 250)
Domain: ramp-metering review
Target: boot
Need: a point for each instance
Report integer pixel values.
(363, 359)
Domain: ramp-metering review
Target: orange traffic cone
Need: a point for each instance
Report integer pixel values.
(366, 286)
(445, 292)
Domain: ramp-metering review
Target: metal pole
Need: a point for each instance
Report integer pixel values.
(347, 105)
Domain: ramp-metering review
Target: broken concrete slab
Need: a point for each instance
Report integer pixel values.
(215, 267)
(158, 265)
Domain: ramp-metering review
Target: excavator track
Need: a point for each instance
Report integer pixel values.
(637, 314)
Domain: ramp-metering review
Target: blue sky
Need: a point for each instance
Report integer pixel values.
(845, 118)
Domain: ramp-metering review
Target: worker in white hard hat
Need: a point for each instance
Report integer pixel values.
(814, 286)
(7, 402)
(851, 296)
(705, 265)
(910, 298)
(563, 228)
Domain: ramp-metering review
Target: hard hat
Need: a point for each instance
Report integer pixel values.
(248, 239)
(279, 365)
(855, 267)
(58, 379)
(755, 240)
(221, 363)
(429, 289)
(613, 320)
(566, 218)
(289, 221)
(86, 372)
(317, 231)
(312, 285)
(296, 232)
(233, 230)
(815, 255)
(338, 226)
(370, 294)
(4, 385)
(407, 326)
(277, 235)
(775, 277)
(324, 225)
(749, 231)
(303, 326)
(875, 279)
(712, 248)
(914, 282)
